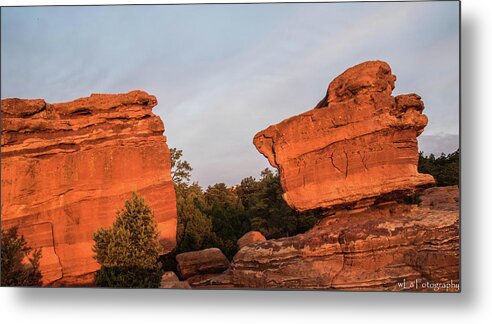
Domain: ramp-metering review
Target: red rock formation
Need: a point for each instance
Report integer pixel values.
(68, 167)
(201, 262)
(386, 247)
(359, 144)
(250, 238)
(354, 151)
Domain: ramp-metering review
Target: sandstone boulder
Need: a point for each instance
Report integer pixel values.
(171, 281)
(68, 167)
(357, 147)
(388, 247)
(201, 262)
(250, 238)
(169, 276)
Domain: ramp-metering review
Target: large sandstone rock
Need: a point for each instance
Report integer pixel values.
(201, 262)
(357, 147)
(250, 238)
(387, 247)
(68, 167)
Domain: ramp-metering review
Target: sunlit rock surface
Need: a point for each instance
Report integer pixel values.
(68, 167)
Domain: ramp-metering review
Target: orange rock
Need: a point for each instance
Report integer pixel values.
(250, 238)
(201, 262)
(387, 247)
(358, 145)
(68, 167)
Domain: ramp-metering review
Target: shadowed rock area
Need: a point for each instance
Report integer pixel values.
(68, 167)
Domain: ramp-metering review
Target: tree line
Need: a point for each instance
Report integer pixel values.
(445, 169)
(219, 215)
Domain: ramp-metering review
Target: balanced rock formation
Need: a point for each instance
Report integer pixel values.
(353, 157)
(390, 247)
(250, 238)
(357, 147)
(197, 263)
(68, 167)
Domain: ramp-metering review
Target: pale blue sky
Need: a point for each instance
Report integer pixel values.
(221, 73)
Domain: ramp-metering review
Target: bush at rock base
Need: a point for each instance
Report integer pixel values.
(128, 251)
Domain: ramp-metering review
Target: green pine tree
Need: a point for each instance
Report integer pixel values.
(128, 251)
(15, 272)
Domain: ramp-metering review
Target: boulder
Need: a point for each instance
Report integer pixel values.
(169, 276)
(351, 158)
(169, 280)
(357, 147)
(250, 238)
(201, 262)
(389, 247)
(68, 167)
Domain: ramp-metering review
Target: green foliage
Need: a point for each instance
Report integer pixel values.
(14, 251)
(128, 251)
(267, 210)
(128, 277)
(194, 227)
(180, 169)
(220, 215)
(445, 169)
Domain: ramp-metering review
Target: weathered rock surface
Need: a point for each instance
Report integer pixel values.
(375, 249)
(169, 276)
(214, 281)
(68, 167)
(357, 147)
(170, 280)
(201, 262)
(441, 198)
(250, 238)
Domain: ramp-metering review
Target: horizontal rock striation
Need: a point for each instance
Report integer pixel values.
(203, 262)
(357, 147)
(387, 247)
(68, 167)
(250, 238)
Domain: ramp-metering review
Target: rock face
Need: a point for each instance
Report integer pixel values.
(357, 147)
(68, 167)
(250, 238)
(384, 248)
(441, 198)
(208, 261)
